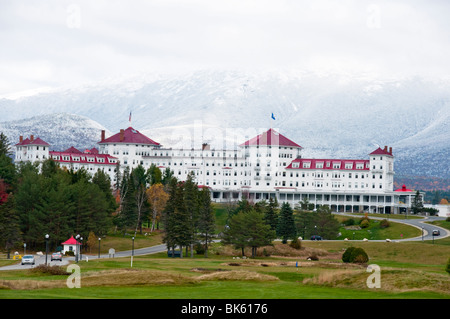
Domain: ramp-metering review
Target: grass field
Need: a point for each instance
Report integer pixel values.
(409, 270)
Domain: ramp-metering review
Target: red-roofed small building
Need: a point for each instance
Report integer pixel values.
(70, 245)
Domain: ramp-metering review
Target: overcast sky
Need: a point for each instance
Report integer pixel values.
(46, 44)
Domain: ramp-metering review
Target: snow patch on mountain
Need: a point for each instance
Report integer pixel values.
(60, 130)
(331, 116)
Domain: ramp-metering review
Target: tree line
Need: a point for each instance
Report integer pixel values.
(43, 198)
(256, 225)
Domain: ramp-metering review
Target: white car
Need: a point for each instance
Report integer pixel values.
(28, 259)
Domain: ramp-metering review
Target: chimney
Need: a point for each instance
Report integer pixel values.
(390, 150)
(20, 139)
(32, 138)
(121, 135)
(103, 135)
(385, 148)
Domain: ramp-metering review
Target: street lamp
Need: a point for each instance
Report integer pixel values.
(132, 251)
(46, 248)
(99, 239)
(81, 246)
(77, 248)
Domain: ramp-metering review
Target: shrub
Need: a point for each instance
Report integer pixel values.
(384, 223)
(296, 244)
(199, 249)
(364, 223)
(349, 222)
(50, 270)
(313, 257)
(355, 255)
(359, 256)
(346, 255)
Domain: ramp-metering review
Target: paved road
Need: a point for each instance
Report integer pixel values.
(41, 259)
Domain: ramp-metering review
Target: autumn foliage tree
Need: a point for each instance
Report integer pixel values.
(157, 199)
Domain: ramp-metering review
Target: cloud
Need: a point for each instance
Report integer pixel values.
(51, 43)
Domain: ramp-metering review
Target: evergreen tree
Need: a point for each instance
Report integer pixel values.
(9, 225)
(7, 168)
(102, 180)
(417, 203)
(139, 178)
(176, 219)
(29, 195)
(327, 224)
(258, 231)
(191, 202)
(248, 229)
(167, 176)
(235, 232)
(286, 227)
(154, 175)
(5, 145)
(206, 218)
(271, 215)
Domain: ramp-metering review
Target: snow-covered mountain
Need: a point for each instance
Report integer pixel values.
(60, 130)
(338, 116)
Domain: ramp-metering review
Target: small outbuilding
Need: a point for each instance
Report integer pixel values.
(71, 245)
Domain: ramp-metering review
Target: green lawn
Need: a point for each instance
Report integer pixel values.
(375, 231)
(408, 270)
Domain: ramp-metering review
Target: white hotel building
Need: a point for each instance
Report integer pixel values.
(268, 165)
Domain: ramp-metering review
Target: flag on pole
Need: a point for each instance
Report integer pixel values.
(129, 118)
(273, 116)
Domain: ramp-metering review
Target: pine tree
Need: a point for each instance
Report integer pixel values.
(271, 215)
(258, 231)
(154, 175)
(286, 226)
(191, 202)
(9, 224)
(417, 203)
(206, 218)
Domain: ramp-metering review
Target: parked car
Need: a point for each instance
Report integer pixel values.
(56, 256)
(316, 237)
(28, 259)
(436, 232)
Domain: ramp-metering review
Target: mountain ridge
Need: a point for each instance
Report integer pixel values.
(329, 115)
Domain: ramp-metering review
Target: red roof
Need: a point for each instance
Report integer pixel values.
(380, 151)
(72, 155)
(35, 141)
(330, 164)
(270, 138)
(72, 150)
(404, 189)
(71, 241)
(129, 136)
